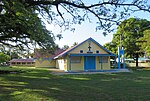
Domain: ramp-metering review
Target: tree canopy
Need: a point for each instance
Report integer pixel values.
(4, 58)
(128, 34)
(21, 25)
(144, 43)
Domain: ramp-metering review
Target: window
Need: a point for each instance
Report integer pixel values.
(18, 62)
(81, 51)
(103, 59)
(97, 51)
(23, 63)
(76, 59)
(13, 63)
(28, 62)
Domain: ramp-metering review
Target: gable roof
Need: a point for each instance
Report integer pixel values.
(39, 53)
(72, 48)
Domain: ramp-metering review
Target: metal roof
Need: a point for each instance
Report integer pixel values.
(22, 60)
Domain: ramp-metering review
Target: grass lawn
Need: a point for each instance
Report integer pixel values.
(37, 84)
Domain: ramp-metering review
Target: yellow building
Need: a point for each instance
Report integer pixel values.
(44, 59)
(88, 55)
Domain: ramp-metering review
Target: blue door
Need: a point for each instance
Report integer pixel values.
(89, 63)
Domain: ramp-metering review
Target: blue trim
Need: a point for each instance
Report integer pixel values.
(92, 55)
(75, 47)
(92, 41)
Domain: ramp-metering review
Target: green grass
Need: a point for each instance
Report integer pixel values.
(37, 84)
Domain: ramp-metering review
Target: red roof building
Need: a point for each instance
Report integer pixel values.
(22, 62)
(45, 59)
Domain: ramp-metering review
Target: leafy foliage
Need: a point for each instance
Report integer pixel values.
(111, 46)
(21, 26)
(128, 34)
(145, 42)
(65, 47)
(4, 57)
(75, 43)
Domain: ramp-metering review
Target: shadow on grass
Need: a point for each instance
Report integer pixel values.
(40, 85)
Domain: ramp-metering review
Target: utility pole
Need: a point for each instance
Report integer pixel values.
(121, 54)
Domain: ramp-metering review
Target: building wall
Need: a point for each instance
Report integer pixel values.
(45, 63)
(84, 47)
(60, 64)
(78, 66)
(139, 64)
(22, 64)
(94, 48)
(65, 64)
(98, 65)
(102, 66)
(68, 62)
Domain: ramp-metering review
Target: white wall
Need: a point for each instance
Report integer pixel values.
(60, 64)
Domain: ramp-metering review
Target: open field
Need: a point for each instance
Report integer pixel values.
(37, 84)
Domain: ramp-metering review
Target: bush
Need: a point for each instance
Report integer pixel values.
(4, 58)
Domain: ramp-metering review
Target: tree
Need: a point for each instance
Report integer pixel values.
(128, 34)
(15, 52)
(14, 55)
(21, 25)
(111, 46)
(75, 43)
(4, 58)
(65, 47)
(2, 49)
(144, 43)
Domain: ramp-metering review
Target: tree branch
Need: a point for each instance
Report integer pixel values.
(57, 2)
(60, 13)
(46, 11)
(68, 11)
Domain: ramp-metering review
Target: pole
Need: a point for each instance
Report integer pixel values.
(120, 41)
(123, 58)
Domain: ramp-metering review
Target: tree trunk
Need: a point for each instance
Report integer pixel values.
(137, 56)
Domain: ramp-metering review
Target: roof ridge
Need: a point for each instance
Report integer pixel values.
(70, 49)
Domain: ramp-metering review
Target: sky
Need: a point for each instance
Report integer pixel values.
(86, 30)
